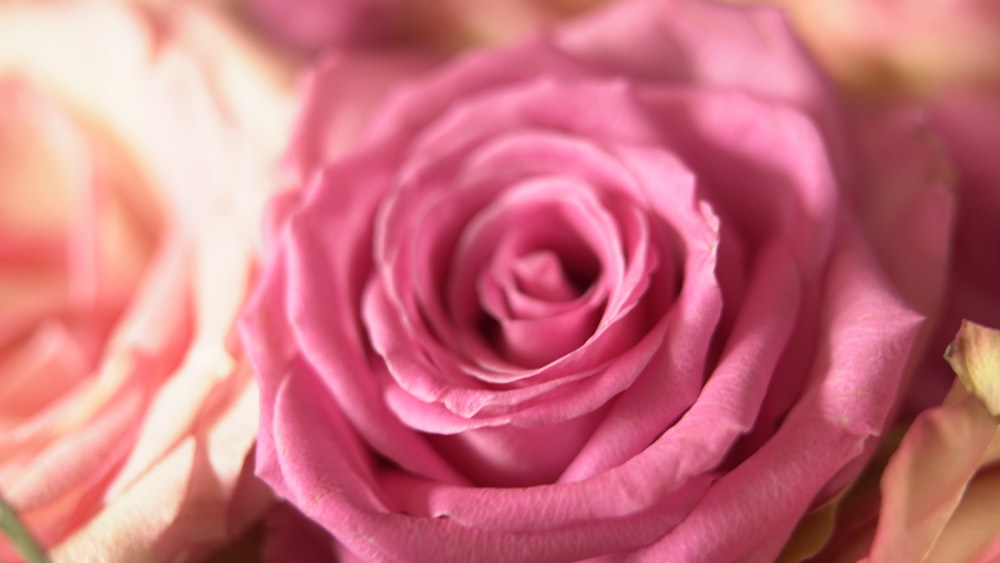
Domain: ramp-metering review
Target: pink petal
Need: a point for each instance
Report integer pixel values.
(845, 405)
(909, 205)
(339, 97)
(349, 505)
(749, 49)
(969, 123)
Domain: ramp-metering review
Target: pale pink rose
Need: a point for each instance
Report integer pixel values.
(918, 44)
(131, 190)
(601, 294)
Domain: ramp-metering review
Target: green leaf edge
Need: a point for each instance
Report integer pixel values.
(12, 526)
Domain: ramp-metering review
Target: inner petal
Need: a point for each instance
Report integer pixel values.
(540, 274)
(545, 214)
(536, 342)
(523, 241)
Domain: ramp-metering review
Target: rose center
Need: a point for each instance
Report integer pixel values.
(539, 297)
(543, 275)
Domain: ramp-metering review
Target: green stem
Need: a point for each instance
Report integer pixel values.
(15, 529)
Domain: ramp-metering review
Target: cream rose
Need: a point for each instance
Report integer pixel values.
(131, 189)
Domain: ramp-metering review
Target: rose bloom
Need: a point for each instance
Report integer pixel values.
(127, 216)
(630, 290)
(914, 43)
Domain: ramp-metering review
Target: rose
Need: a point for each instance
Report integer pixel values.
(126, 413)
(892, 43)
(325, 354)
(126, 409)
(605, 293)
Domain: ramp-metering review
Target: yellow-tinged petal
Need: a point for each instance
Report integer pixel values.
(941, 480)
(975, 357)
(812, 533)
(926, 478)
(190, 487)
(975, 523)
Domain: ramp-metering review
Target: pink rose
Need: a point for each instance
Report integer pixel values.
(127, 214)
(603, 294)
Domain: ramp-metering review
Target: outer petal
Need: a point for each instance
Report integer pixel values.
(191, 488)
(908, 206)
(969, 123)
(668, 41)
(495, 21)
(846, 403)
(350, 503)
(339, 97)
(975, 357)
(929, 511)
(920, 495)
(912, 207)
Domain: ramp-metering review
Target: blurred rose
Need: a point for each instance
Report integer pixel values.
(941, 487)
(968, 121)
(603, 293)
(917, 44)
(313, 25)
(131, 190)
